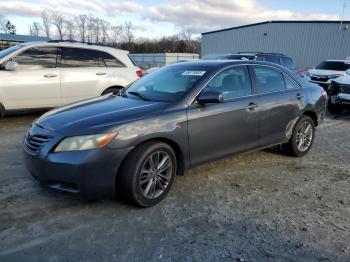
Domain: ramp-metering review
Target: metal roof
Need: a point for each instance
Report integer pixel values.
(22, 38)
(280, 22)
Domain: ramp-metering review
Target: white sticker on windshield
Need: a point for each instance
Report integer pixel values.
(194, 73)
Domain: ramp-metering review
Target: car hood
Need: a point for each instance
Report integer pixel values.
(343, 80)
(97, 115)
(321, 72)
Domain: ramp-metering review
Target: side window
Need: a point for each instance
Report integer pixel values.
(272, 59)
(232, 82)
(37, 58)
(269, 79)
(287, 62)
(290, 83)
(111, 61)
(79, 57)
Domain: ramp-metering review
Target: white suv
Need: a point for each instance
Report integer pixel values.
(51, 74)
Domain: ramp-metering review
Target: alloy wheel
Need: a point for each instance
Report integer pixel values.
(304, 136)
(155, 174)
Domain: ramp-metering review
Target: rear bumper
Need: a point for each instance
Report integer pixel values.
(91, 172)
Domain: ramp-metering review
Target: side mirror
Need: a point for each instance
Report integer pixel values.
(11, 66)
(210, 97)
(348, 71)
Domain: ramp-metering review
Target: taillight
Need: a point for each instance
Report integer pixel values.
(139, 73)
(324, 95)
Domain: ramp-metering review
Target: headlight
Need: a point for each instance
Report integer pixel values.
(76, 143)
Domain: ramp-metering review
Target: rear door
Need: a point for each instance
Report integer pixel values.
(36, 81)
(220, 129)
(83, 74)
(280, 99)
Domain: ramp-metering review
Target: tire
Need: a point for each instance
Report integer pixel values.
(2, 111)
(145, 188)
(334, 108)
(111, 90)
(296, 146)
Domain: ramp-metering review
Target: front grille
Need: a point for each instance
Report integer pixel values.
(35, 142)
(319, 79)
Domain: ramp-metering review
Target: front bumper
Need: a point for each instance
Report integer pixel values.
(88, 172)
(341, 99)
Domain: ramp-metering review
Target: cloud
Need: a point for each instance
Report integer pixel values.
(195, 15)
(205, 15)
(69, 7)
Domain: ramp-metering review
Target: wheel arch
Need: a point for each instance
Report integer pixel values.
(312, 115)
(112, 87)
(180, 156)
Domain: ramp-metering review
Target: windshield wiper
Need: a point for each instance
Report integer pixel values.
(138, 95)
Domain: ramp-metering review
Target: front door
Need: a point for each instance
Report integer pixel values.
(217, 130)
(36, 81)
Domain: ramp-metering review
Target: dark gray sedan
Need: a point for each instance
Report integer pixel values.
(187, 114)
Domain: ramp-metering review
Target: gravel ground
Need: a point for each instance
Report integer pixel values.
(262, 206)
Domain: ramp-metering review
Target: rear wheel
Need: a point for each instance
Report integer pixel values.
(303, 137)
(147, 174)
(334, 108)
(111, 90)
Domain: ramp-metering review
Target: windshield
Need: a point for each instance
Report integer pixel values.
(8, 51)
(167, 84)
(334, 65)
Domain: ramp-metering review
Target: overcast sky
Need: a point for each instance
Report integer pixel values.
(155, 18)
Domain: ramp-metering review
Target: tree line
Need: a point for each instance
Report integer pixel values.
(92, 29)
(6, 26)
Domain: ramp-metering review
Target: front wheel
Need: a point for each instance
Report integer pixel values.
(303, 137)
(148, 173)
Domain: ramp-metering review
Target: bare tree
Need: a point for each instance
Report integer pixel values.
(128, 31)
(104, 30)
(58, 20)
(34, 29)
(70, 29)
(3, 22)
(81, 25)
(46, 18)
(90, 28)
(114, 35)
(187, 35)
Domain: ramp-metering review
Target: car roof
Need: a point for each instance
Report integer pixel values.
(334, 60)
(223, 63)
(77, 45)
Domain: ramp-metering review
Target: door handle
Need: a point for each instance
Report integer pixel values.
(252, 106)
(101, 73)
(299, 96)
(50, 75)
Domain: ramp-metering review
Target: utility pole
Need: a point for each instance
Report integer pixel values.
(342, 17)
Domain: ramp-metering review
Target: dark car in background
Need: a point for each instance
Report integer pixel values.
(339, 94)
(325, 72)
(176, 118)
(276, 58)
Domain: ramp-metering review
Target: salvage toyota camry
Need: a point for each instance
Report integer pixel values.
(136, 141)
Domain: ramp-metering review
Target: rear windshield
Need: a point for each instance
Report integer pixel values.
(8, 51)
(168, 84)
(333, 65)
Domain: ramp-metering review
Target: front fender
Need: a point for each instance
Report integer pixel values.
(170, 126)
